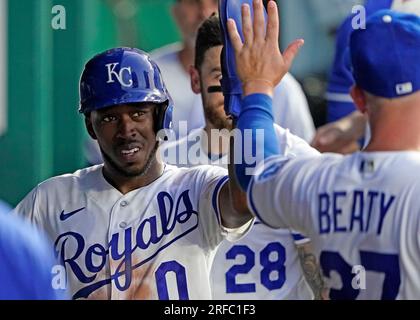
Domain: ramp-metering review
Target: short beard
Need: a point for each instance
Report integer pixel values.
(216, 121)
(136, 174)
(212, 115)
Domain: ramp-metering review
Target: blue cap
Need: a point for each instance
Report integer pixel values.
(386, 55)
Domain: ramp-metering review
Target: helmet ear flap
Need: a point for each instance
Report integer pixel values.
(157, 118)
(163, 121)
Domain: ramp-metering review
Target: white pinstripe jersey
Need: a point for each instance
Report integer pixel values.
(155, 242)
(361, 211)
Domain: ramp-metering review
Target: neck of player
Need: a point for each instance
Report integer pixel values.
(125, 184)
(394, 126)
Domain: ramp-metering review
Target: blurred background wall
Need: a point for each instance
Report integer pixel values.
(41, 132)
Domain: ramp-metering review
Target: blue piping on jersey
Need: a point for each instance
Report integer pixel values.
(297, 236)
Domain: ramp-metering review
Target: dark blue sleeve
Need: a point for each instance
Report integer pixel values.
(256, 114)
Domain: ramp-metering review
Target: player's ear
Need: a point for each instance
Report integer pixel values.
(89, 126)
(359, 98)
(195, 80)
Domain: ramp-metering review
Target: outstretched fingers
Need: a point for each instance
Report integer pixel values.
(291, 52)
(259, 25)
(247, 29)
(272, 35)
(234, 36)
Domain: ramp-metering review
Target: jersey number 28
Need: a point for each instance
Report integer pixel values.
(273, 272)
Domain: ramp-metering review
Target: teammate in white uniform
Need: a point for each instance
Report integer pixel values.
(174, 61)
(362, 210)
(133, 228)
(265, 263)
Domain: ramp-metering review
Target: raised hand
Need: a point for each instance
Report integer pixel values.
(259, 62)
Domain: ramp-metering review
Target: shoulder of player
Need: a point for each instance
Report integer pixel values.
(70, 178)
(166, 52)
(200, 169)
(293, 143)
(312, 162)
(407, 161)
(332, 163)
(289, 97)
(197, 174)
(288, 82)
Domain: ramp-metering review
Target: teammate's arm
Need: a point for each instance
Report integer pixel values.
(342, 135)
(312, 271)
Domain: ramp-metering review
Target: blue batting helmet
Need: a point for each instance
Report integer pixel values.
(122, 76)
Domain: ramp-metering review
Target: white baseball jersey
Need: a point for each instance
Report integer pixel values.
(362, 211)
(291, 110)
(264, 264)
(155, 242)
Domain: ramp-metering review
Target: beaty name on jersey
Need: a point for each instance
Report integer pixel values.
(154, 234)
(366, 210)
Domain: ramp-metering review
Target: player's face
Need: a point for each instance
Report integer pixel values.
(213, 102)
(189, 14)
(126, 137)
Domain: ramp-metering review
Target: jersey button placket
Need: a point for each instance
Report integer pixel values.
(119, 213)
(123, 204)
(123, 224)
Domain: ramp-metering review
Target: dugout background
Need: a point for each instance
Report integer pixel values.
(41, 132)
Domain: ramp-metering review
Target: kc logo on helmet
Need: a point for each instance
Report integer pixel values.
(119, 75)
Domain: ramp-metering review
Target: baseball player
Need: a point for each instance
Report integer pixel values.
(361, 210)
(264, 264)
(134, 227)
(26, 262)
(174, 61)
